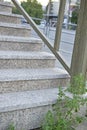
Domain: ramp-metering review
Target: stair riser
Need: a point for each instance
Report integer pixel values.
(9, 31)
(9, 19)
(17, 46)
(25, 119)
(31, 63)
(6, 9)
(15, 86)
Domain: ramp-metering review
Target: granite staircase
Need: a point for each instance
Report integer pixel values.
(28, 77)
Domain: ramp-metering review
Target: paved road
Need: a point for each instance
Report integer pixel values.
(66, 45)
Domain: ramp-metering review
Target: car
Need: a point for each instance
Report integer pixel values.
(42, 24)
(24, 21)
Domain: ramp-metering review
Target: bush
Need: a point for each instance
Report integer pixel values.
(66, 114)
(11, 127)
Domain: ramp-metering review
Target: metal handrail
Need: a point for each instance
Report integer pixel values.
(41, 35)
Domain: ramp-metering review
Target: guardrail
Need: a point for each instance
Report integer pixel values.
(41, 35)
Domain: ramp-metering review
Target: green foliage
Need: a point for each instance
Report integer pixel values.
(78, 84)
(33, 8)
(49, 121)
(65, 114)
(15, 10)
(74, 17)
(11, 127)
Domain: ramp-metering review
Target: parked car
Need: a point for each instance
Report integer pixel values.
(24, 21)
(42, 23)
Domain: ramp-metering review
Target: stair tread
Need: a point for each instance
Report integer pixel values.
(12, 15)
(5, 3)
(11, 25)
(32, 74)
(20, 39)
(27, 99)
(25, 55)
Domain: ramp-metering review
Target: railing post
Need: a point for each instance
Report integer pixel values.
(79, 58)
(59, 24)
(68, 16)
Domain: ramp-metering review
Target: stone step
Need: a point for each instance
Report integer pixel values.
(26, 110)
(16, 59)
(10, 18)
(6, 7)
(17, 30)
(20, 43)
(13, 80)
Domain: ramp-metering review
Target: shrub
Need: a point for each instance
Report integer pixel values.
(11, 127)
(66, 114)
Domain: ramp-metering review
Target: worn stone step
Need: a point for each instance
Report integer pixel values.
(26, 110)
(5, 7)
(10, 18)
(16, 59)
(20, 43)
(14, 30)
(12, 80)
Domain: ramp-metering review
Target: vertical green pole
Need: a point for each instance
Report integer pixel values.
(59, 24)
(79, 57)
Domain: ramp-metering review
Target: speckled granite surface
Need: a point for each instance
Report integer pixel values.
(10, 18)
(26, 74)
(26, 110)
(28, 79)
(12, 43)
(16, 60)
(9, 29)
(5, 7)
